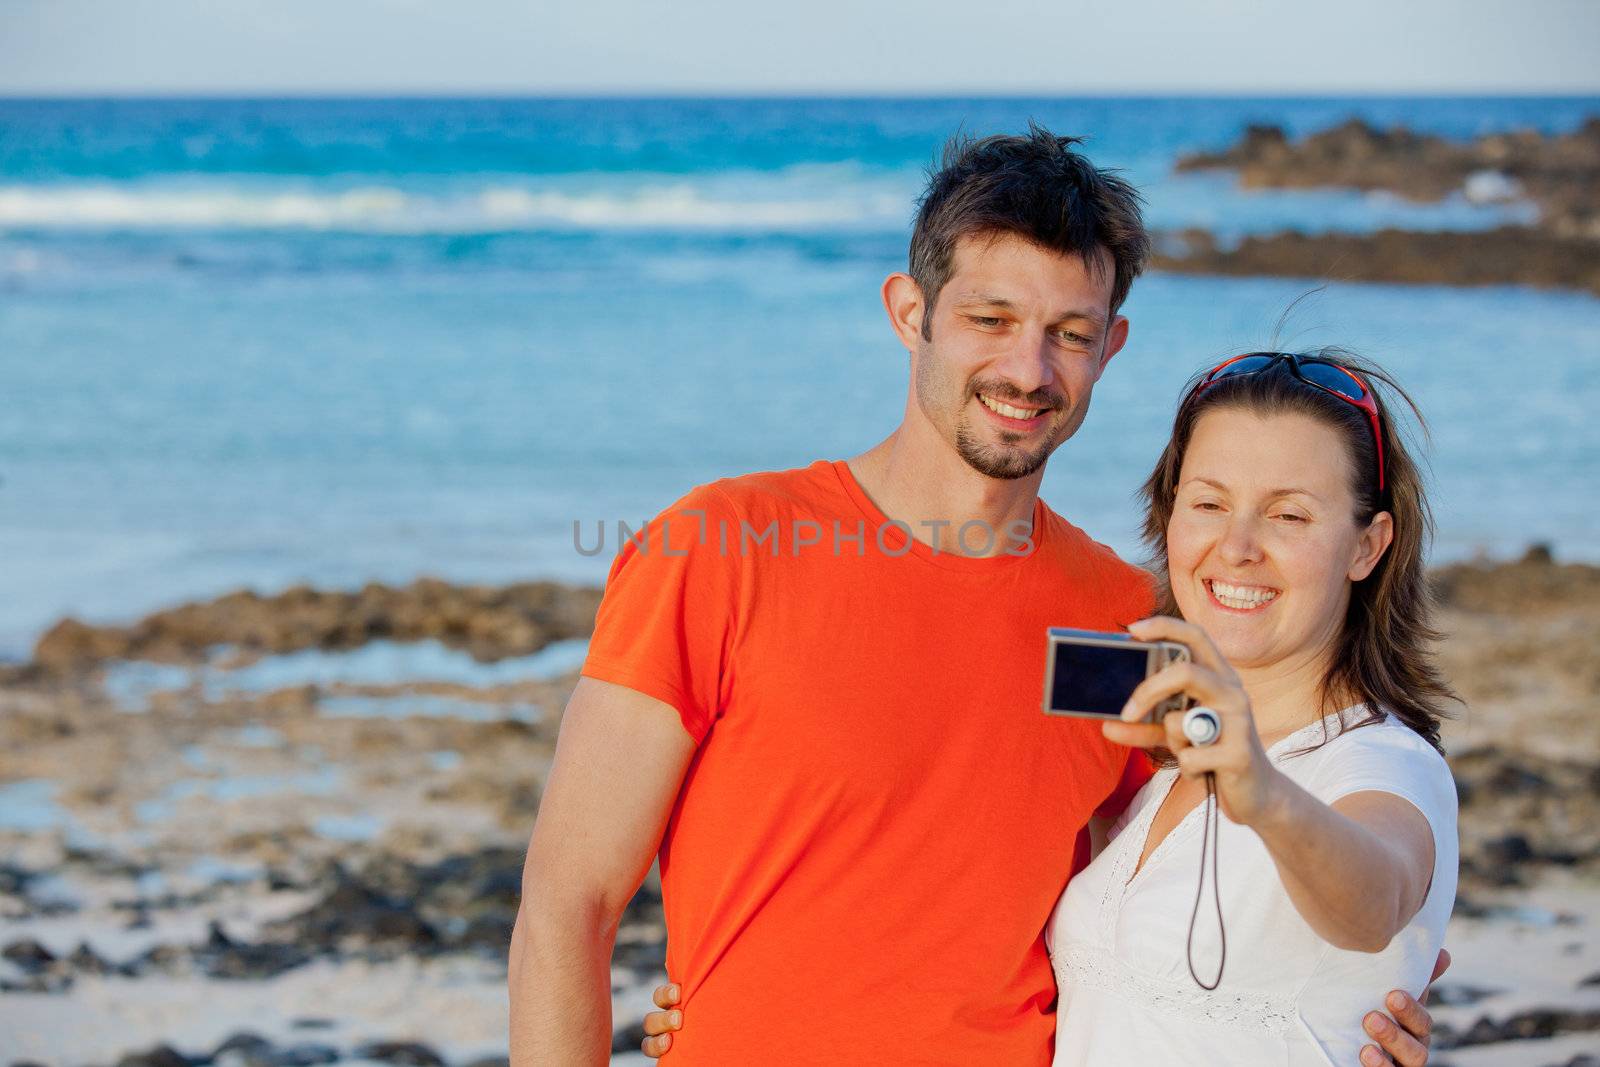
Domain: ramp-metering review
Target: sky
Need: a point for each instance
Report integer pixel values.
(842, 47)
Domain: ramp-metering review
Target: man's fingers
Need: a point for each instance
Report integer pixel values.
(661, 1022)
(1371, 1056)
(656, 1047)
(1401, 1048)
(1411, 1016)
(666, 996)
(1440, 965)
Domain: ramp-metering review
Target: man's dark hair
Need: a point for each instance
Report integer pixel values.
(1034, 186)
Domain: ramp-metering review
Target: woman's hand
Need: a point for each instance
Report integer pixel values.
(660, 1025)
(1247, 782)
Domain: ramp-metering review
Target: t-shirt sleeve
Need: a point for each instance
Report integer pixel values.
(666, 622)
(1135, 773)
(1388, 757)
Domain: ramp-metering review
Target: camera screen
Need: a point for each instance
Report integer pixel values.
(1096, 679)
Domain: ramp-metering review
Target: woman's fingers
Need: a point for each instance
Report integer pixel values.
(1134, 734)
(661, 1022)
(656, 1047)
(666, 996)
(1166, 628)
(1198, 682)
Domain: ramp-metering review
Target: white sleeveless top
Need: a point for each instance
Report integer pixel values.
(1287, 998)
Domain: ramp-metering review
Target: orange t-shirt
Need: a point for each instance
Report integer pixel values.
(879, 817)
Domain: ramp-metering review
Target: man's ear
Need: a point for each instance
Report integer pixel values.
(902, 299)
(1116, 337)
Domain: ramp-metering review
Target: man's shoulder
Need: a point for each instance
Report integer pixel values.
(759, 492)
(1083, 552)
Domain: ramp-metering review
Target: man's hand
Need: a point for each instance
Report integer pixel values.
(1405, 1045)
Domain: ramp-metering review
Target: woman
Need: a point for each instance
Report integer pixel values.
(1288, 519)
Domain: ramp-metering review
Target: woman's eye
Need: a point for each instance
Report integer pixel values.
(1207, 505)
(1289, 516)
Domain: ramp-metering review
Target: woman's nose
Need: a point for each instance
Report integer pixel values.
(1241, 541)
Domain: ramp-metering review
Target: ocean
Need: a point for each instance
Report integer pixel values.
(259, 342)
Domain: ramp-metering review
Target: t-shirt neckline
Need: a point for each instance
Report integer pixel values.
(894, 537)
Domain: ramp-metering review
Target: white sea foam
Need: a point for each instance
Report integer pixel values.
(795, 199)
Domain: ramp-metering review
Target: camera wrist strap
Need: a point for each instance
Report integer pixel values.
(1212, 826)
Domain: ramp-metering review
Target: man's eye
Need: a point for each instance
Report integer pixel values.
(1072, 338)
(986, 320)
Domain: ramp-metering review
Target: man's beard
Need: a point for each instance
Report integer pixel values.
(1008, 464)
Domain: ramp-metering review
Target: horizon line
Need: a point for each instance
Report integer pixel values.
(1547, 93)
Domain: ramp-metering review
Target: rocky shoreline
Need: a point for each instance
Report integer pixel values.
(259, 878)
(1559, 174)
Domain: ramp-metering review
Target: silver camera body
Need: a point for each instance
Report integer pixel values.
(1089, 674)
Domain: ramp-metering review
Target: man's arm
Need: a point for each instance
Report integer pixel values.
(619, 762)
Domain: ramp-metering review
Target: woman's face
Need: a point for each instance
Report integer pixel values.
(1263, 543)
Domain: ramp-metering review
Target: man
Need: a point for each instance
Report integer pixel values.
(817, 690)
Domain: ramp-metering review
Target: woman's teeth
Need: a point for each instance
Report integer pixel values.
(1007, 410)
(1241, 597)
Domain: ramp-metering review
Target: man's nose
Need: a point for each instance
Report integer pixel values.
(1026, 361)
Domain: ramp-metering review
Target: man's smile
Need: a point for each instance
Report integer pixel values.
(1012, 416)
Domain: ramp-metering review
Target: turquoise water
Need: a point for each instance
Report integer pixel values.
(259, 342)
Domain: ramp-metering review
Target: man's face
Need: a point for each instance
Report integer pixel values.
(1020, 334)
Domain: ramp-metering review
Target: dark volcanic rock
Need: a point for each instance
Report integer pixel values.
(1538, 1023)
(490, 622)
(355, 915)
(1450, 994)
(1520, 811)
(1532, 584)
(222, 957)
(85, 960)
(1560, 174)
(30, 955)
(160, 1056)
(1508, 255)
(306, 1054)
(628, 1038)
(243, 1049)
(1556, 172)
(404, 1053)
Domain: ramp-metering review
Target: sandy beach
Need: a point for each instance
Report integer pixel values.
(228, 836)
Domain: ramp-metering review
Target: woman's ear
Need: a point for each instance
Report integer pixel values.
(1374, 542)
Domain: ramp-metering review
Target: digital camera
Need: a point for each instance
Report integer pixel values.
(1090, 674)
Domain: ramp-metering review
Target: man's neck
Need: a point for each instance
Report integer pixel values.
(927, 485)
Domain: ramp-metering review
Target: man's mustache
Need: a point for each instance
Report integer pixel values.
(1011, 394)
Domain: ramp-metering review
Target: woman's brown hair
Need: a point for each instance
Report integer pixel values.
(1383, 656)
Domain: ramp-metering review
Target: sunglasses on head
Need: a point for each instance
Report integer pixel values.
(1315, 371)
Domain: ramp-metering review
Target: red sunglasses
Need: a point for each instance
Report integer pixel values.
(1315, 371)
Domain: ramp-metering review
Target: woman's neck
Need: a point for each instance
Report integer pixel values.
(1287, 695)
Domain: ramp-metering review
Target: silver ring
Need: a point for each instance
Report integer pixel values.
(1202, 726)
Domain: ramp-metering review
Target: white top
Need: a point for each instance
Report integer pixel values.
(1287, 997)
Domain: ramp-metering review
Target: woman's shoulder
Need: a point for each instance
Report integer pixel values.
(1377, 752)
(1380, 754)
